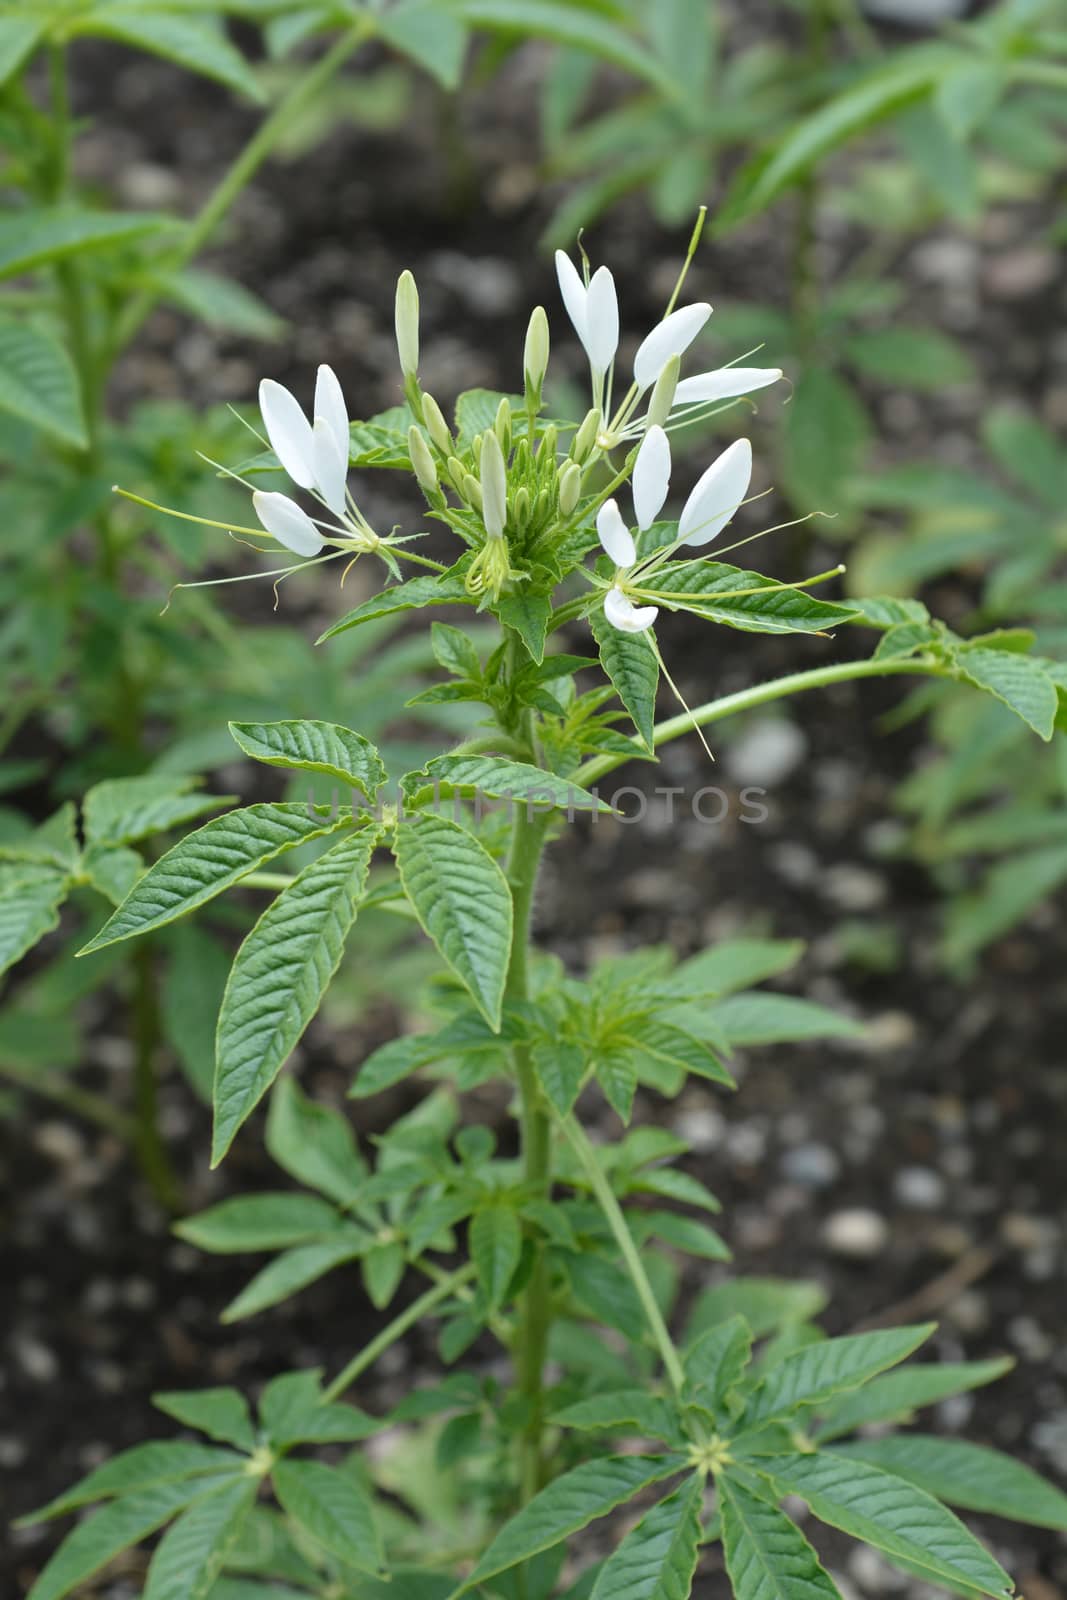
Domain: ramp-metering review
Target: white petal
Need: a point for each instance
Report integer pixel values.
(601, 320)
(624, 615)
(724, 383)
(615, 536)
(572, 289)
(717, 495)
(290, 526)
(652, 476)
(331, 467)
(671, 337)
(330, 403)
(289, 432)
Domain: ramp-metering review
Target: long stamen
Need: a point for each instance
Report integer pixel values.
(698, 730)
(186, 516)
(658, 557)
(279, 573)
(694, 240)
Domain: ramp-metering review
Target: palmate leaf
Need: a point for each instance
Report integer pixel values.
(497, 778)
(142, 1467)
(968, 1475)
(893, 1516)
(830, 1367)
(716, 1362)
(633, 667)
(279, 977)
(314, 747)
(724, 594)
(657, 1559)
(570, 1503)
(767, 1556)
(896, 1395)
(462, 900)
(208, 861)
(332, 1510)
(190, 1555)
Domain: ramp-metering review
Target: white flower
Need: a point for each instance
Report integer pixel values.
(290, 525)
(725, 383)
(671, 337)
(624, 615)
(594, 311)
(716, 495)
(314, 456)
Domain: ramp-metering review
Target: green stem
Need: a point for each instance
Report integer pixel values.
(748, 699)
(624, 1239)
(244, 168)
(396, 1330)
(147, 1034)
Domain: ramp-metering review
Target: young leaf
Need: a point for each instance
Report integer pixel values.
(294, 1270)
(496, 778)
(767, 1556)
(765, 1018)
(676, 1049)
(1016, 681)
(30, 898)
(897, 1395)
(560, 1066)
(208, 861)
(684, 1233)
(314, 1144)
(462, 900)
(893, 1516)
(454, 651)
(529, 615)
(830, 1367)
(570, 1503)
(657, 1559)
(715, 1363)
(632, 1411)
(279, 977)
(967, 1475)
(220, 1413)
(123, 810)
(314, 747)
(121, 1523)
(292, 1411)
(495, 1245)
(190, 1555)
(766, 1304)
(249, 1222)
(38, 383)
(632, 665)
(332, 1510)
(142, 1467)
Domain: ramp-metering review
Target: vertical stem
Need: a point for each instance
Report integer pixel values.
(147, 1034)
(524, 856)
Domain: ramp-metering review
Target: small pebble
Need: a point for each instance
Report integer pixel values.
(766, 753)
(701, 1127)
(856, 1232)
(919, 1188)
(813, 1165)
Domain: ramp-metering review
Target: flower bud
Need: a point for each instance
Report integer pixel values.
(458, 473)
(476, 449)
(535, 352)
(436, 426)
(472, 491)
(502, 424)
(494, 482)
(570, 487)
(659, 407)
(422, 461)
(521, 508)
(546, 450)
(585, 438)
(407, 324)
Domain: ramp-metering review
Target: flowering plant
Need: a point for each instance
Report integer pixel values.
(562, 1250)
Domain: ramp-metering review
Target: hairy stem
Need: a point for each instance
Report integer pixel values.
(396, 1330)
(613, 1212)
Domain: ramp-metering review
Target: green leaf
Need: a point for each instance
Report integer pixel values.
(198, 45)
(220, 1413)
(314, 747)
(767, 1304)
(570, 24)
(736, 964)
(191, 1553)
(767, 1556)
(744, 600)
(30, 898)
(1016, 681)
(715, 1363)
(430, 36)
(657, 1559)
(332, 1509)
(684, 1233)
(279, 977)
(821, 1370)
(826, 437)
(193, 986)
(630, 662)
(631, 1411)
(445, 590)
(968, 92)
(463, 903)
(314, 1144)
(967, 1475)
(94, 1542)
(496, 778)
(211, 859)
(529, 615)
(39, 237)
(560, 1067)
(495, 1240)
(249, 1222)
(893, 1516)
(913, 358)
(293, 1411)
(113, 870)
(896, 1396)
(382, 1271)
(18, 37)
(123, 810)
(454, 651)
(292, 1271)
(142, 1467)
(38, 383)
(877, 96)
(759, 1018)
(676, 1049)
(569, 1503)
(222, 303)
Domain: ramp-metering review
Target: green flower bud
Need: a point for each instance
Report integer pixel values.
(546, 450)
(472, 491)
(585, 438)
(535, 352)
(570, 487)
(521, 508)
(422, 461)
(494, 482)
(407, 324)
(436, 426)
(502, 424)
(458, 474)
(659, 407)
